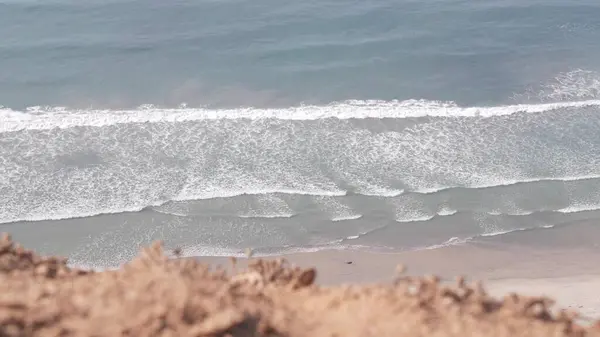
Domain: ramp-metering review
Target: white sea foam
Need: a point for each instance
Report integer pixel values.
(132, 167)
(266, 216)
(268, 206)
(382, 192)
(84, 211)
(70, 214)
(234, 193)
(512, 213)
(168, 211)
(416, 219)
(579, 208)
(200, 251)
(414, 213)
(347, 217)
(454, 241)
(457, 241)
(506, 182)
(336, 209)
(576, 84)
(507, 231)
(204, 250)
(48, 118)
(446, 211)
(501, 232)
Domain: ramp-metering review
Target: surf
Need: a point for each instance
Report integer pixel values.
(44, 118)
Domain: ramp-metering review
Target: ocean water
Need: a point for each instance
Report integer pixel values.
(289, 126)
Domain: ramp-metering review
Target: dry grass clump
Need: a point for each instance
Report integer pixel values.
(155, 296)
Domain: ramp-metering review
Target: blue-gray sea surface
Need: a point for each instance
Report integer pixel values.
(294, 125)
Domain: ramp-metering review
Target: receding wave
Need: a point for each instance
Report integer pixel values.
(155, 206)
(455, 241)
(229, 194)
(416, 215)
(417, 219)
(447, 212)
(579, 208)
(267, 216)
(513, 213)
(506, 182)
(347, 217)
(508, 231)
(326, 200)
(36, 118)
(49, 215)
(341, 245)
(565, 210)
(199, 251)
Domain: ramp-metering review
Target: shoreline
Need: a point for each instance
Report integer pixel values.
(569, 274)
(477, 260)
(356, 294)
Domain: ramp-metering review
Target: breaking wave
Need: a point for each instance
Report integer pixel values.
(39, 118)
(59, 163)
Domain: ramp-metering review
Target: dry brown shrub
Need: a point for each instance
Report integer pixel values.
(155, 296)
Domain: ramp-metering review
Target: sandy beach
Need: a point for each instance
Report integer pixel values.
(551, 273)
(564, 267)
(157, 296)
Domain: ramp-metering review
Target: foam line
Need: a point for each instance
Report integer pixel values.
(580, 208)
(231, 194)
(38, 118)
(505, 183)
(346, 217)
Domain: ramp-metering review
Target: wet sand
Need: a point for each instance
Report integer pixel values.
(560, 262)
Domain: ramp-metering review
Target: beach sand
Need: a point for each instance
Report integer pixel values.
(571, 277)
(560, 262)
(325, 293)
